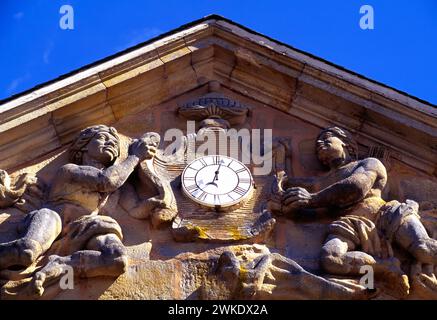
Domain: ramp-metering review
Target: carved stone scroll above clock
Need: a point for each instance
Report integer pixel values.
(215, 109)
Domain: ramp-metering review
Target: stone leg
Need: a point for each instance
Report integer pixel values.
(105, 255)
(338, 258)
(40, 228)
(413, 237)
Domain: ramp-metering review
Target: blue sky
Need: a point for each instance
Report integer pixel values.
(401, 50)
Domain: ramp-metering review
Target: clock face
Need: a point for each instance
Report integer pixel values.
(217, 181)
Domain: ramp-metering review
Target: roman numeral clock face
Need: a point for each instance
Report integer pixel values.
(217, 181)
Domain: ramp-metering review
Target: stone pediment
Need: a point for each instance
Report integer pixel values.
(220, 75)
(245, 63)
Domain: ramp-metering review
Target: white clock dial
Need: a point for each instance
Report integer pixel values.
(217, 181)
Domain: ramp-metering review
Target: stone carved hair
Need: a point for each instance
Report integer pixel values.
(344, 136)
(79, 145)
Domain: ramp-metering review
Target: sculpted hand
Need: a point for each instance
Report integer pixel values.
(49, 274)
(142, 150)
(295, 198)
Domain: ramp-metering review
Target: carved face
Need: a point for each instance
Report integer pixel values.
(329, 148)
(103, 147)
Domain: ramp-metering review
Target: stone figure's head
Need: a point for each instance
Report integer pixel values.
(335, 144)
(100, 143)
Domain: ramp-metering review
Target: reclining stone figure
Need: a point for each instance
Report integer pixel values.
(367, 225)
(254, 273)
(89, 243)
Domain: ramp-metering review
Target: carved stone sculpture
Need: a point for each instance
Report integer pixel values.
(254, 273)
(25, 192)
(161, 207)
(87, 242)
(65, 225)
(366, 226)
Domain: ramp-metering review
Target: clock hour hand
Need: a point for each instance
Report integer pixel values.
(213, 180)
(213, 183)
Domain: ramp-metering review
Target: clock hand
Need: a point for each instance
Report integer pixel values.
(213, 180)
(215, 177)
(217, 172)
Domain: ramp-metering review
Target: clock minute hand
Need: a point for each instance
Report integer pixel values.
(217, 172)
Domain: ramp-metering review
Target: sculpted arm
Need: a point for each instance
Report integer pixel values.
(353, 188)
(106, 180)
(111, 178)
(345, 192)
(342, 193)
(309, 183)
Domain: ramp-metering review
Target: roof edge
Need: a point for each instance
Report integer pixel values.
(212, 19)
